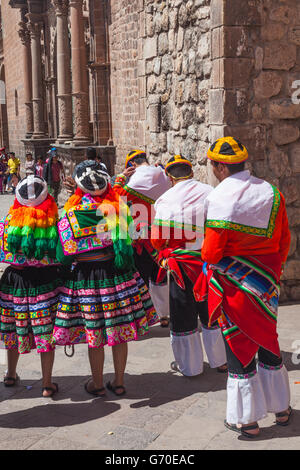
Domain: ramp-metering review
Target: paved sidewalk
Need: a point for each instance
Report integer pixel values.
(162, 409)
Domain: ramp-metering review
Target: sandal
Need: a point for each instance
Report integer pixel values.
(14, 380)
(243, 429)
(95, 391)
(174, 366)
(284, 414)
(232, 427)
(164, 322)
(50, 389)
(114, 388)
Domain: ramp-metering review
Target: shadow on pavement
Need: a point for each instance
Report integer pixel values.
(155, 389)
(156, 331)
(275, 431)
(148, 389)
(47, 412)
(57, 415)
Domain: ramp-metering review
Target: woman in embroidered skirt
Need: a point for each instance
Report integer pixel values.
(30, 285)
(104, 301)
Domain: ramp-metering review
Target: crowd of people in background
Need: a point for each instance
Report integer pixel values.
(11, 171)
(49, 168)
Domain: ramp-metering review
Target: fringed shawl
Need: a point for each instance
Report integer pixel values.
(115, 223)
(33, 230)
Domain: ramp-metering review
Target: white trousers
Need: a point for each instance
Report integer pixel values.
(252, 396)
(188, 351)
(160, 298)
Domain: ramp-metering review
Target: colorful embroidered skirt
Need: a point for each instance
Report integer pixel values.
(99, 305)
(28, 304)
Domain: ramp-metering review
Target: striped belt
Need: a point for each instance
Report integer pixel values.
(95, 256)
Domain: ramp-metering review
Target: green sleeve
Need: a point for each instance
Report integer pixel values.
(60, 256)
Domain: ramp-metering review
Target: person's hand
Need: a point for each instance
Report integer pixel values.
(69, 184)
(129, 171)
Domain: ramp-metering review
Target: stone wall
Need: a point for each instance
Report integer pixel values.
(124, 43)
(160, 76)
(256, 60)
(177, 70)
(277, 63)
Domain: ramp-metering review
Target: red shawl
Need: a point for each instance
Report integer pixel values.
(245, 318)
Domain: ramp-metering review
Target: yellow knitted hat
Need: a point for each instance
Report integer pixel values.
(227, 150)
(133, 154)
(177, 160)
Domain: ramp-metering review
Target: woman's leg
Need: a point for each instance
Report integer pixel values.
(120, 353)
(47, 361)
(12, 362)
(96, 358)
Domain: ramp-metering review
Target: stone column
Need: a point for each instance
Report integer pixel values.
(64, 87)
(37, 97)
(27, 77)
(79, 74)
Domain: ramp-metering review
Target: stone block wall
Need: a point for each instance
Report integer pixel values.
(177, 66)
(160, 78)
(255, 64)
(125, 44)
(274, 90)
